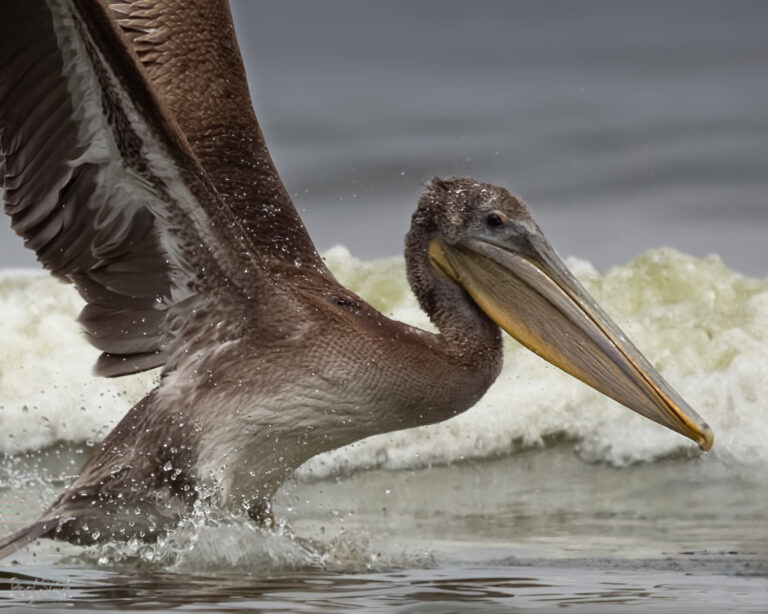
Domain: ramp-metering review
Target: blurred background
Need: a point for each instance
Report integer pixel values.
(624, 126)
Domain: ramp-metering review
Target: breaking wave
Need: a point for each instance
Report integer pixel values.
(702, 325)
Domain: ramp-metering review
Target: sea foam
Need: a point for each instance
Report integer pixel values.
(703, 326)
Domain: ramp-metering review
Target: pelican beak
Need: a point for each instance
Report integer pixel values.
(521, 284)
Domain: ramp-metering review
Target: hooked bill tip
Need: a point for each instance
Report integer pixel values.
(707, 438)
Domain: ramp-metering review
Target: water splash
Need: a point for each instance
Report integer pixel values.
(204, 544)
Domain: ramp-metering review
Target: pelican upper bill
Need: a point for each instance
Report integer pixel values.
(134, 167)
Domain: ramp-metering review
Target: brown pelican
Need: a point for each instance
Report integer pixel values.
(134, 166)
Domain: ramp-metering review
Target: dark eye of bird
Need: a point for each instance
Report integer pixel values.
(494, 220)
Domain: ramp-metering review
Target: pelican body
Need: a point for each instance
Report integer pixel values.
(134, 166)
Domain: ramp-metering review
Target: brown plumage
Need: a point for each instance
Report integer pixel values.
(135, 168)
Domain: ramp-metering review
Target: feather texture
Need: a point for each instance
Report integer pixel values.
(103, 185)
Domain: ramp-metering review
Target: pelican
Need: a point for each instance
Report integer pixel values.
(133, 165)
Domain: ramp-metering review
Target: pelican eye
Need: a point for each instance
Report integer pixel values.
(495, 219)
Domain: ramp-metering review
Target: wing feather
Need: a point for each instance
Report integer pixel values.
(189, 51)
(100, 182)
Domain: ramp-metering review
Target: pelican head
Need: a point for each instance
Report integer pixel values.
(483, 239)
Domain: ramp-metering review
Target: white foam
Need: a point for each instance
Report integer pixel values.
(702, 325)
(47, 392)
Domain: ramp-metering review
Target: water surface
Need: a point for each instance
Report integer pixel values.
(545, 494)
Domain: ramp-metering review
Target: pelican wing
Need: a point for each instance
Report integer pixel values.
(105, 188)
(191, 57)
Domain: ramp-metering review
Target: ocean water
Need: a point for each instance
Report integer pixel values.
(625, 127)
(545, 494)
